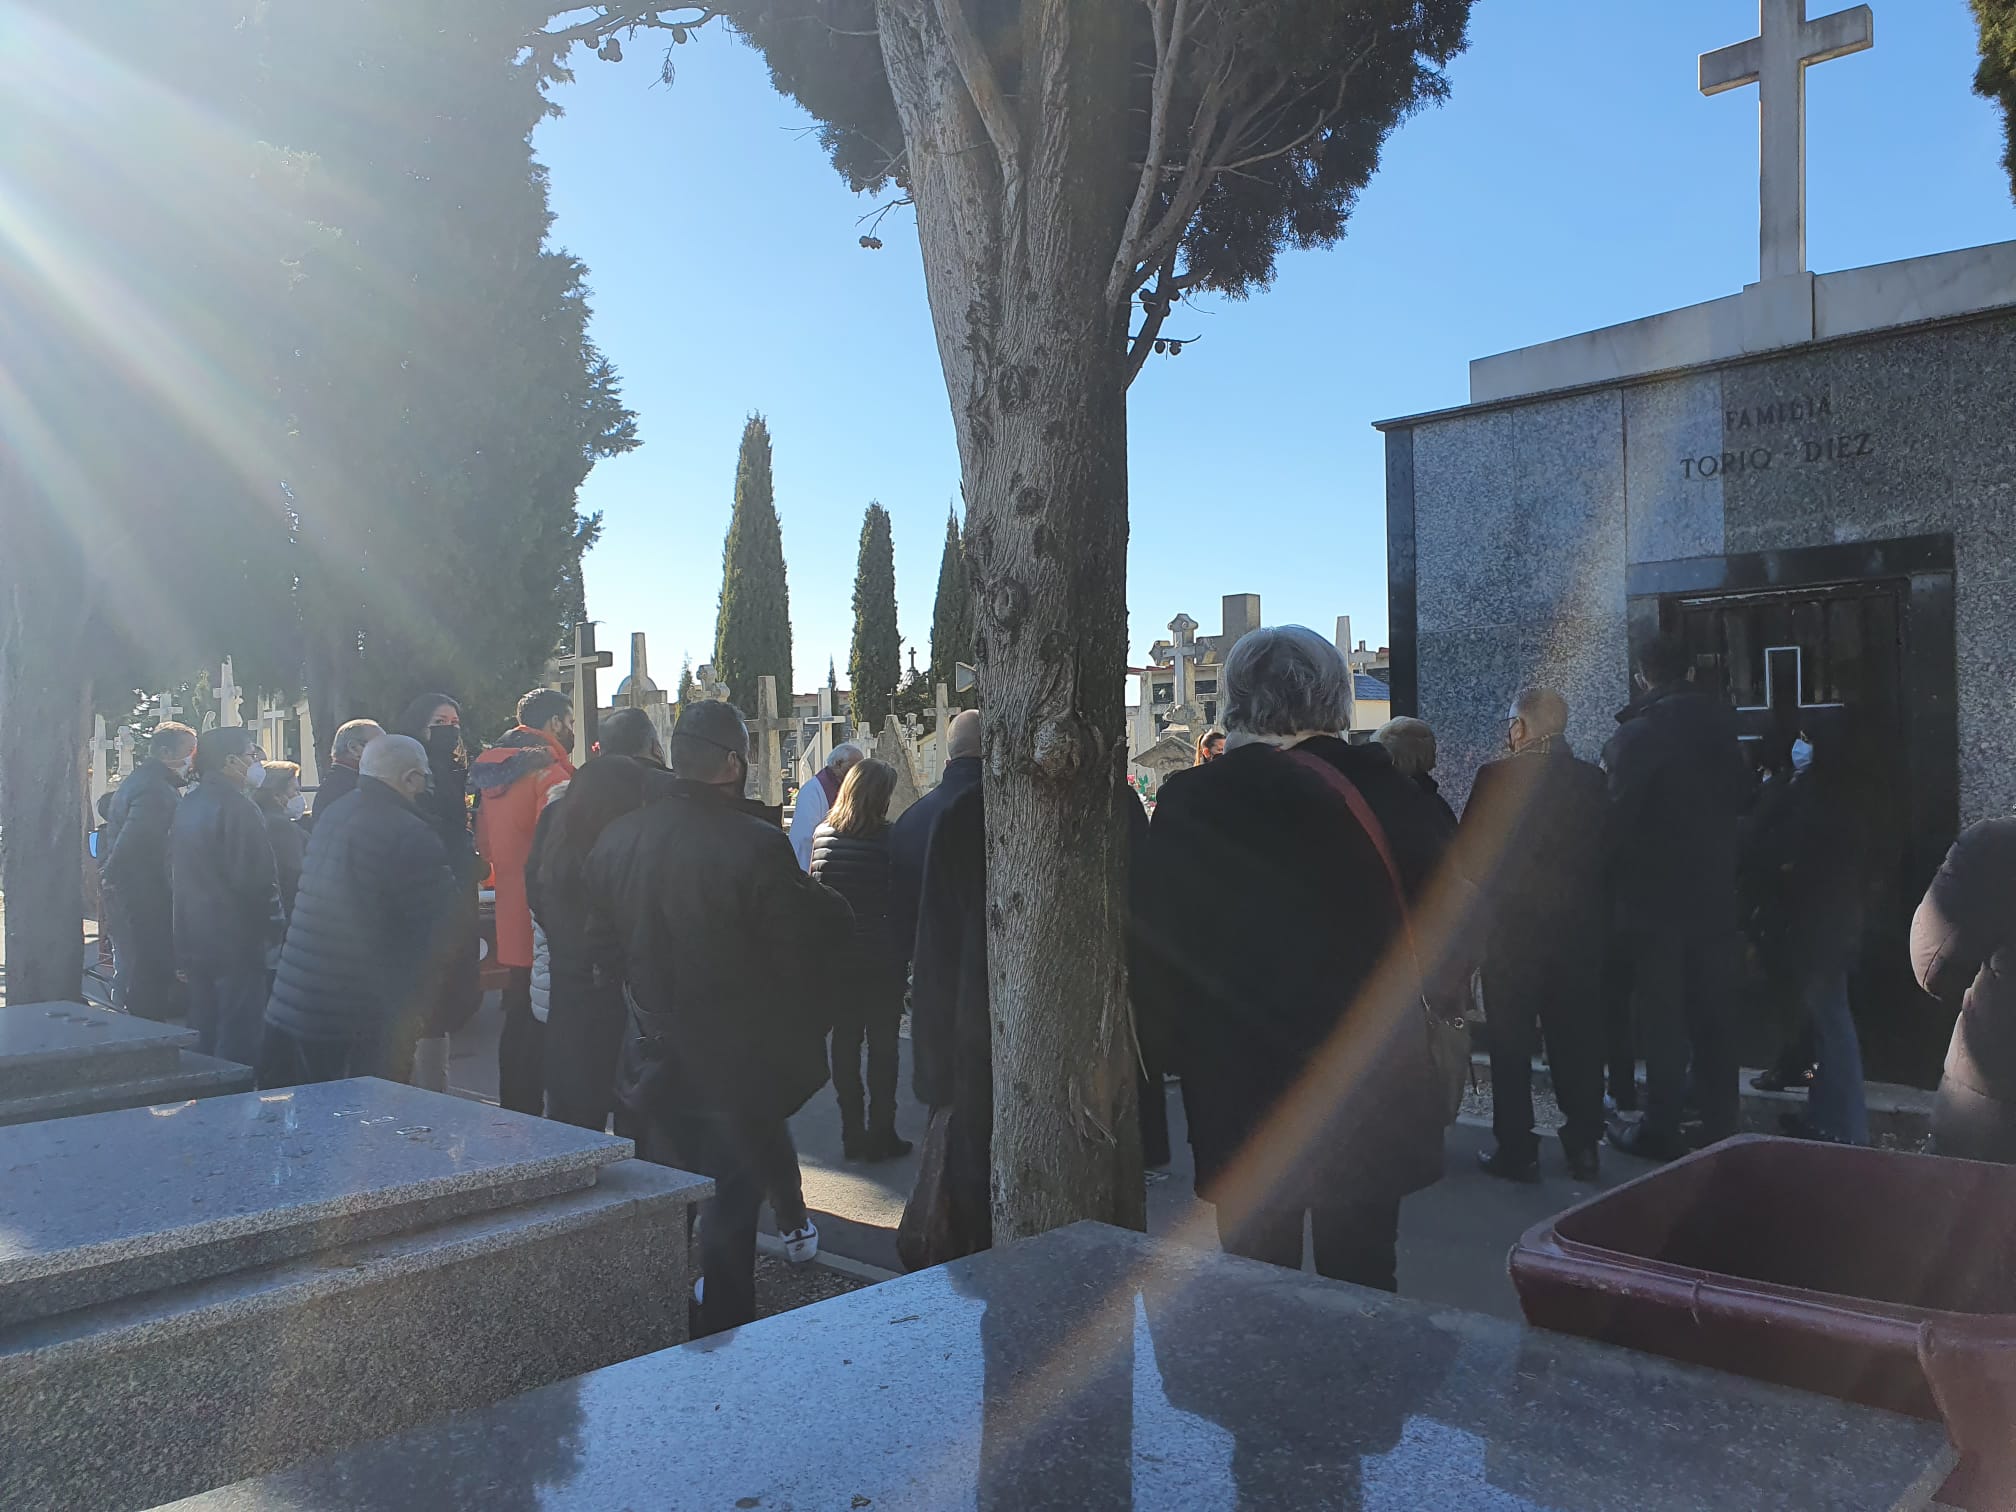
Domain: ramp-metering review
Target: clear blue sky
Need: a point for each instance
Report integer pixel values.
(1576, 178)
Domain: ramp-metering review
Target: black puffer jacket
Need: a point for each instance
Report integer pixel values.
(857, 868)
(1963, 947)
(227, 900)
(720, 939)
(366, 949)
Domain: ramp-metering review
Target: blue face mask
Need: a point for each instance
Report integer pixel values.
(1802, 754)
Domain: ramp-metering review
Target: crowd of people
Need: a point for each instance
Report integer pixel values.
(677, 966)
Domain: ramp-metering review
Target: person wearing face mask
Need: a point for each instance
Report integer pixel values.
(511, 781)
(227, 896)
(136, 875)
(281, 804)
(435, 720)
(698, 908)
(373, 931)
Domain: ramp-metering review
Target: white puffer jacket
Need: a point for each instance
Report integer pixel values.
(542, 959)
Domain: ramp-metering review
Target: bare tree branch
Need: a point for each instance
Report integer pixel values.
(1170, 19)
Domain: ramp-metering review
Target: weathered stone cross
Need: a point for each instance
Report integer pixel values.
(230, 714)
(1185, 650)
(583, 665)
(1776, 61)
(766, 734)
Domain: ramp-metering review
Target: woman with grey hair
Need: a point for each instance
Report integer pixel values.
(1411, 745)
(1287, 989)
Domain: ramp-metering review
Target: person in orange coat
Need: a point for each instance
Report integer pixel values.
(511, 781)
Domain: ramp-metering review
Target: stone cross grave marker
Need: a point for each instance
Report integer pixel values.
(766, 733)
(124, 746)
(230, 713)
(272, 727)
(941, 713)
(822, 737)
(101, 751)
(1184, 652)
(1776, 60)
(580, 670)
(311, 775)
(169, 709)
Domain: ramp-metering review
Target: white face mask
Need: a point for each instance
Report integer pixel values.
(1802, 755)
(254, 775)
(297, 805)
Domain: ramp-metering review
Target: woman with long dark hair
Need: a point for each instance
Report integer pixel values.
(435, 720)
(850, 854)
(584, 1006)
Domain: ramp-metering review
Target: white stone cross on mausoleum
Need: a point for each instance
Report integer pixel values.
(1776, 61)
(1184, 650)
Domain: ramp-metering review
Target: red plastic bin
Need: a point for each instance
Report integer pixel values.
(1883, 1278)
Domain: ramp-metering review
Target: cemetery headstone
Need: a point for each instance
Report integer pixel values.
(192, 1295)
(101, 761)
(311, 773)
(579, 670)
(941, 727)
(123, 746)
(59, 1060)
(230, 699)
(894, 747)
(766, 731)
(1092, 1368)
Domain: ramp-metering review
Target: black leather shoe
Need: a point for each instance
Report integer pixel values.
(1584, 1165)
(884, 1144)
(1508, 1167)
(1633, 1138)
(854, 1144)
(1776, 1080)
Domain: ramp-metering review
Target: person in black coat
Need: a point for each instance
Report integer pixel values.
(136, 876)
(435, 720)
(1532, 840)
(227, 897)
(1678, 783)
(585, 1012)
(850, 854)
(346, 749)
(1275, 953)
(1411, 745)
(1963, 949)
(372, 927)
(910, 837)
(281, 805)
(720, 941)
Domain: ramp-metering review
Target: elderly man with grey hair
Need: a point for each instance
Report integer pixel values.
(1533, 841)
(371, 937)
(1411, 744)
(722, 945)
(816, 797)
(345, 751)
(1272, 899)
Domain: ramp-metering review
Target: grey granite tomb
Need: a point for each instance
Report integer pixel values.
(1093, 1369)
(191, 1294)
(60, 1059)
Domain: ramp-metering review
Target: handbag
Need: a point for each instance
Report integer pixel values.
(928, 1234)
(1448, 1039)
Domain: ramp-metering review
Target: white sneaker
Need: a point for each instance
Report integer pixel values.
(802, 1245)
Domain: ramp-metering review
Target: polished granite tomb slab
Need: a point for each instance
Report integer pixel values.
(1093, 1369)
(61, 1059)
(196, 1293)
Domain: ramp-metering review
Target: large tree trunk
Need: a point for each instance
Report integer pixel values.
(1016, 258)
(43, 612)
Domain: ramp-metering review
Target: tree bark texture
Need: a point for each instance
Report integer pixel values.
(1018, 217)
(43, 612)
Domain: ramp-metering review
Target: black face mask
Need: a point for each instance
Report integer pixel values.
(443, 745)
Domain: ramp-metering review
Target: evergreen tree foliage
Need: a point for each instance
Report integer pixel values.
(951, 618)
(875, 666)
(687, 689)
(1997, 78)
(752, 631)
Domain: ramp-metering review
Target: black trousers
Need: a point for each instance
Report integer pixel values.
(1620, 1038)
(1559, 1002)
(584, 1043)
(227, 1009)
(1684, 991)
(287, 1059)
(521, 1048)
(871, 1017)
(748, 1159)
(1356, 1241)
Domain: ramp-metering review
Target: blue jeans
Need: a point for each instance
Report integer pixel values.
(1836, 1105)
(227, 1009)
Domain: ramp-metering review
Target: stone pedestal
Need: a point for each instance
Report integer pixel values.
(60, 1059)
(193, 1294)
(1093, 1369)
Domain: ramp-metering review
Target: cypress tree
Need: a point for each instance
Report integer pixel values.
(876, 664)
(752, 632)
(951, 616)
(687, 692)
(1997, 78)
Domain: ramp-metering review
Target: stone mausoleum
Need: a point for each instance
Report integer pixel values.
(1813, 481)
